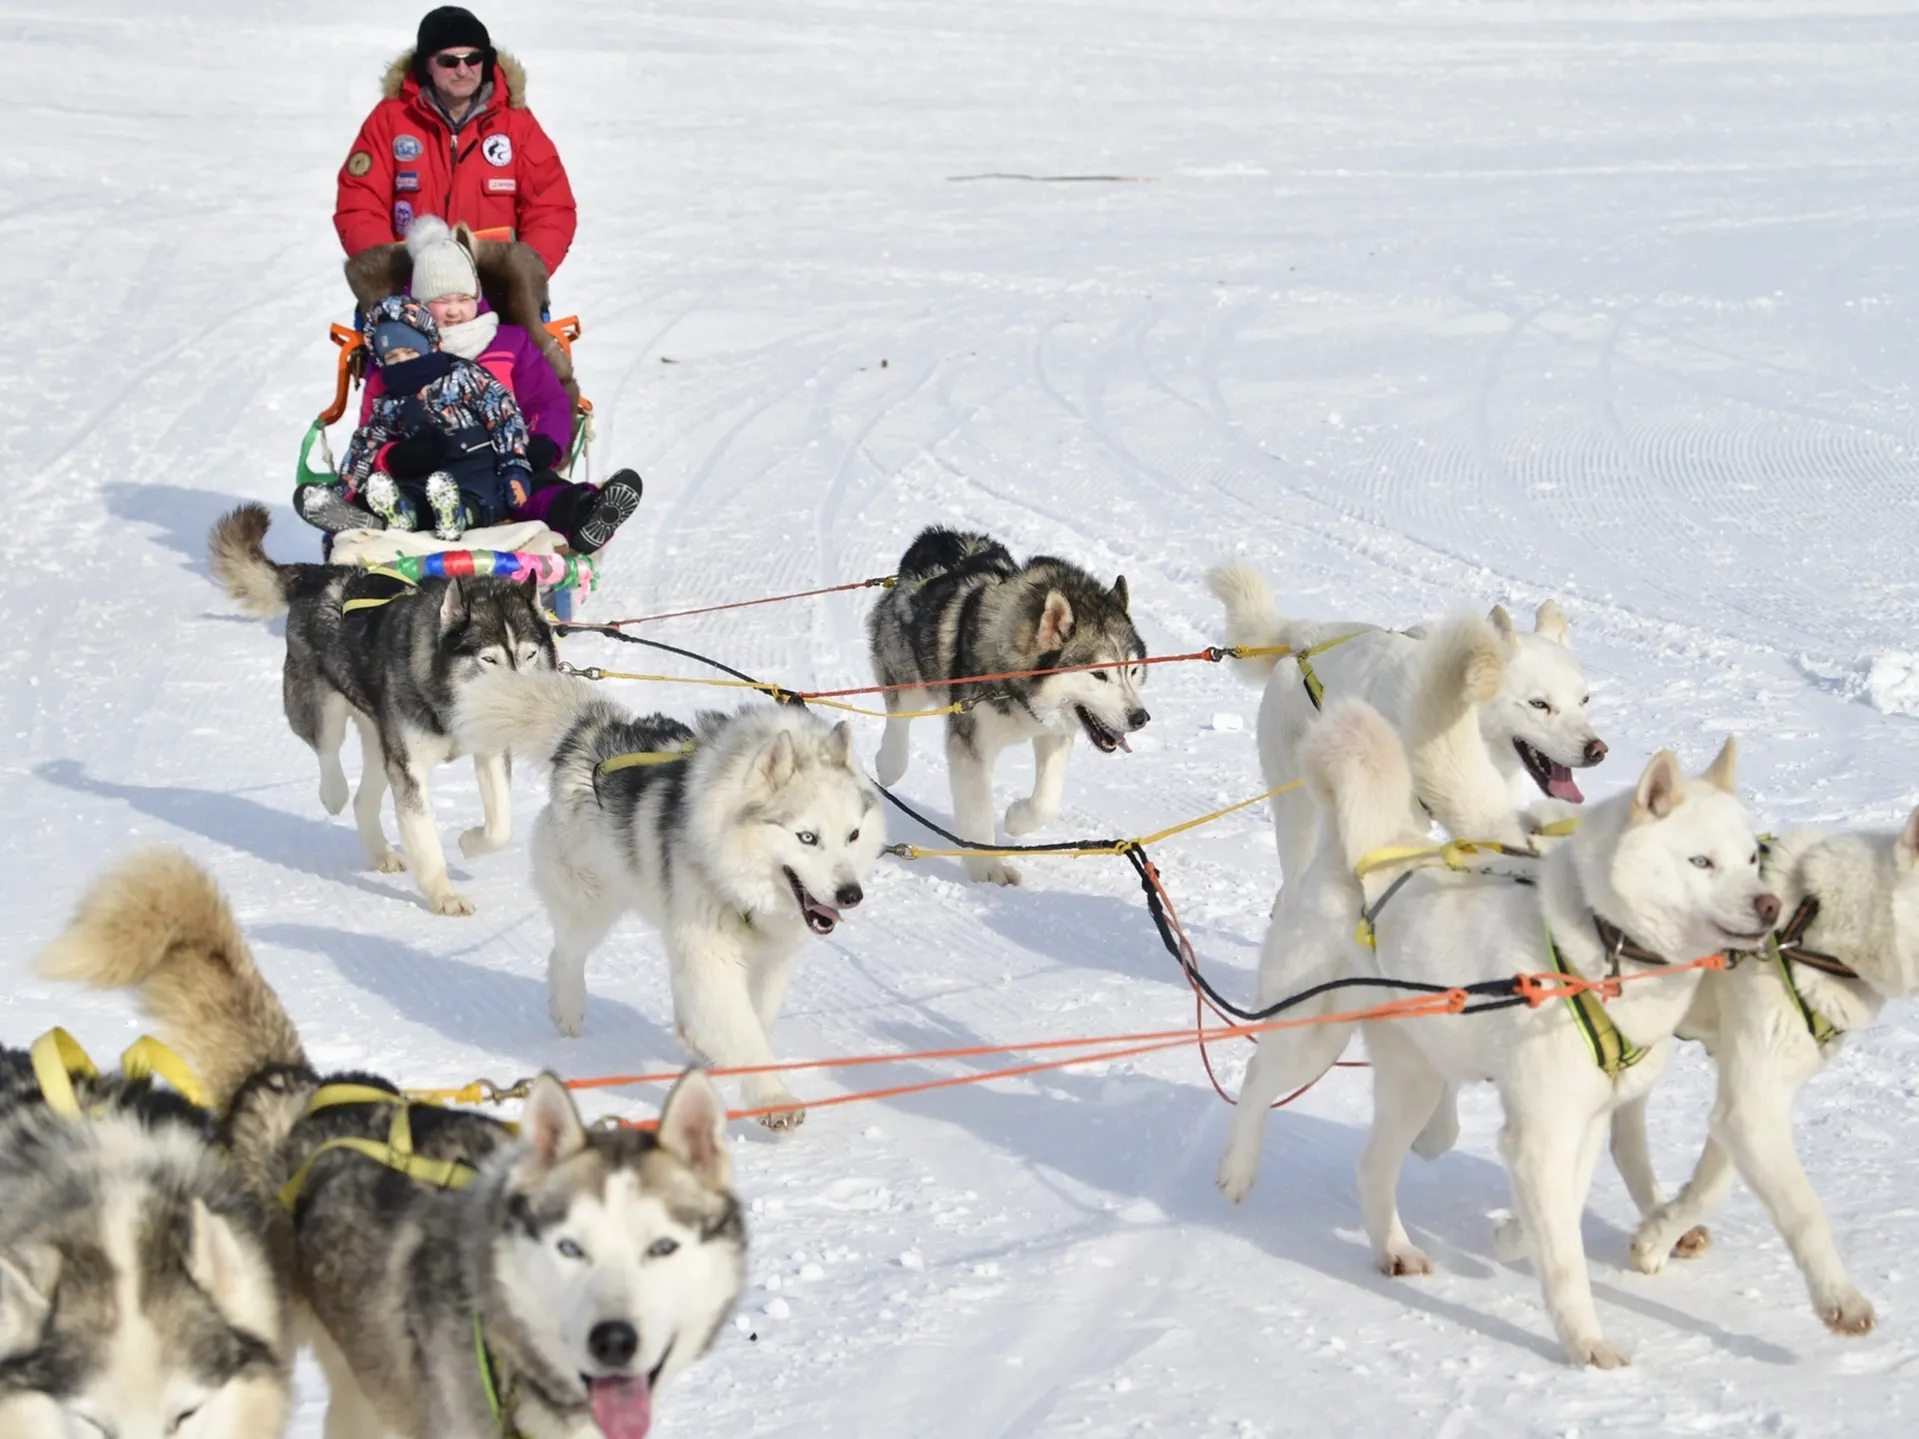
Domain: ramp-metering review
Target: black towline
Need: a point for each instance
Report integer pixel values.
(1491, 994)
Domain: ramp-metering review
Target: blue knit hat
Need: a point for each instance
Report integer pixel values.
(399, 322)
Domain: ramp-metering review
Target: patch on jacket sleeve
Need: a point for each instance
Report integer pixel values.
(358, 163)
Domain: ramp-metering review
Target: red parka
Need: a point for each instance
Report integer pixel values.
(499, 172)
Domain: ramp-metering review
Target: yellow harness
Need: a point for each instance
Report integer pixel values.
(371, 602)
(58, 1060)
(396, 1154)
(1315, 687)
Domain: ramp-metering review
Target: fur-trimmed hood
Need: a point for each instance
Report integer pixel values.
(505, 67)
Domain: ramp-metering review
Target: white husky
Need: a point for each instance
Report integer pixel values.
(1669, 871)
(1535, 730)
(757, 837)
(1773, 1022)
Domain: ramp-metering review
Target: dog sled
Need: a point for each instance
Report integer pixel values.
(513, 282)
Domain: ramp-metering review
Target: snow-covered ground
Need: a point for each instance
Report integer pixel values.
(1414, 304)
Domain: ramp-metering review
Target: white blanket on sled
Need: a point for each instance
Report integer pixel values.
(372, 547)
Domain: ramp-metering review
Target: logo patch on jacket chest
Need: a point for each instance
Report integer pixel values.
(499, 186)
(498, 150)
(407, 147)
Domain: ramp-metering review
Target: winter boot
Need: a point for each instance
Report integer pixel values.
(325, 508)
(618, 498)
(449, 511)
(383, 497)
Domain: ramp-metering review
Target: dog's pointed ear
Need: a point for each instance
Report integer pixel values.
(777, 760)
(693, 1128)
(1503, 625)
(27, 1278)
(551, 1123)
(839, 745)
(453, 607)
(1121, 595)
(1055, 622)
(531, 584)
(217, 1265)
(1907, 849)
(1550, 622)
(1719, 774)
(1661, 789)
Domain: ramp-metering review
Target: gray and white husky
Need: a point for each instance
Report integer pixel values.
(738, 851)
(393, 666)
(962, 606)
(573, 1274)
(139, 1295)
(1535, 729)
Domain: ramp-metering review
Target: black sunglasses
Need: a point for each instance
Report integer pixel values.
(472, 60)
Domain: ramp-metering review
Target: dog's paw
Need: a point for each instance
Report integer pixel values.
(1403, 1261)
(1693, 1243)
(392, 862)
(991, 872)
(476, 842)
(1509, 1239)
(789, 1113)
(568, 1019)
(333, 792)
(451, 903)
(1849, 1313)
(1023, 817)
(1237, 1172)
(1596, 1353)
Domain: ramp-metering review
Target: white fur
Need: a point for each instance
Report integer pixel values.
(713, 880)
(1631, 861)
(1868, 891)
(1541, 699)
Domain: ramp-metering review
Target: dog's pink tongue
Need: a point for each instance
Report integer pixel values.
(1125, 746)
(1559, 784)
(623, 1408)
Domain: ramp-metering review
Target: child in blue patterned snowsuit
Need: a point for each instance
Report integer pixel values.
(445, 444)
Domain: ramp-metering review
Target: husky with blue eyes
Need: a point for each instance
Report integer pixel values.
(739, 838)
(456, 1275)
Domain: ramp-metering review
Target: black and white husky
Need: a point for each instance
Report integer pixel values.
(751, 837)
(962, 606)
(571, 1275)
(139, 1296)
(394, 667)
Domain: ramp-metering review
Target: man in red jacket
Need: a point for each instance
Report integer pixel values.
(453, 138)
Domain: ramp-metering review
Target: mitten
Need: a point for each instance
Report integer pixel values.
(416, 456)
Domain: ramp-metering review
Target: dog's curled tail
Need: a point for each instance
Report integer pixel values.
(157, 924)
(1252, 618)
(1461, 670)
(239, 561)
(528, 714)
(1357, 769)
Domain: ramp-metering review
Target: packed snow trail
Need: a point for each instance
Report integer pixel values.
(1415, 305)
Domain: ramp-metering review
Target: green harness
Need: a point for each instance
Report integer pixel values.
(1611, 1050)
(1785, 949)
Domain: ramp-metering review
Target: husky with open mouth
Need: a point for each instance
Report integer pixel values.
(1535, 729)
(962, 606)
(738, 838)
(547, 1282)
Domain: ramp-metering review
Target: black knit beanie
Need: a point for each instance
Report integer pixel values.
(443, 29)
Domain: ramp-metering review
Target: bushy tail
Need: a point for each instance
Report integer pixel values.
(1357, 769)
(1252, 618)
(240, 563)
(1462, 668)
(527, 715)
(158, 924)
